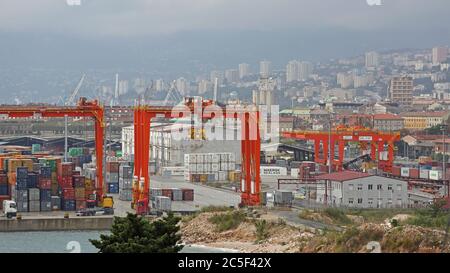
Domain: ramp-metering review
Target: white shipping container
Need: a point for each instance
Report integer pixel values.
(424, 174)
(215, 167)
(223, 158)
(273, 171)
(208, 167)
(435, 175)
(405, 172)
(223, 176)
(294, 172)
(200, 168)
(231, 166)
(200, 158)
(224, 166)
(215, 158)
(232, 157)
(193, 168)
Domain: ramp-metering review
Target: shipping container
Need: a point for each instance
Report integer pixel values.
(435, 175)
(56, 203)
(404, 172)
(177, 194)
(163, 203)
(125, 194)
(45, 195)
(34, 206)
(68, 205)
(424, 174)
(68, 194)
(113, 187)
(414, 173)
(396, 171)
(46, 205)
(188, 194)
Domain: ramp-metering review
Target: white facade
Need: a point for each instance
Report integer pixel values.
(367, 192)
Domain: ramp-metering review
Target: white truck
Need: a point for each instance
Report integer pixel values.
(9, 209)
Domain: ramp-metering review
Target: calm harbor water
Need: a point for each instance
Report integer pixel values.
(64, 242)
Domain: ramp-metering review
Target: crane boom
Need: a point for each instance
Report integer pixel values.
(71, 99)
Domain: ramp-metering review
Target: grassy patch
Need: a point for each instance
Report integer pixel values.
(338, 215)
(429, 218)
(216, 209)
(227, 221)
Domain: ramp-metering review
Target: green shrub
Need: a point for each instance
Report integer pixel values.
(262, 230)
(227, 221)
(216, 209)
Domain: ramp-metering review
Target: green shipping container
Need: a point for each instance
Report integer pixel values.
(35, 148)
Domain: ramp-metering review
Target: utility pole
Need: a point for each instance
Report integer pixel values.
(444, 161)
(329, 145)
(65, 138)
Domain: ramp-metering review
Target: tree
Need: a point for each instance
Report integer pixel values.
(135, 234)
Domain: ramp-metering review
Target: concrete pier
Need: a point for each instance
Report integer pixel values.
(56, 224)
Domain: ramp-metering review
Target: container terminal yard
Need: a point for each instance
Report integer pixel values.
(44, 180)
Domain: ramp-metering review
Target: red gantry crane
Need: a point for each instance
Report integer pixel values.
(341, 135)
(203, 110)
(84, 108)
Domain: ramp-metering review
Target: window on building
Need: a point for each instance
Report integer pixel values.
(350, 187)
(350, 200)
(389, 187)
(370, 201)
(360, 186)
(360, 200)
(379, 187)
(370, 187)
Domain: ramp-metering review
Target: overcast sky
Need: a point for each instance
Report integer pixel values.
(144, 17)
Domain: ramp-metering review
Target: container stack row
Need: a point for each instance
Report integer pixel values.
(209, 167)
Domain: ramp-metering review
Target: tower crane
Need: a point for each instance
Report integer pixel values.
(174, 93)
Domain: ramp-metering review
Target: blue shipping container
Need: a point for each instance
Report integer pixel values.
(68, 205)
(21, 184)
(22, 172)
(32, 181)
(113, 187)
(4, 189)
(46, 172)
(46, 195)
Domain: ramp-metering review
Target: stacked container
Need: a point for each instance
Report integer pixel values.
(65, 180)
(45, 186)
(125, 183)
(80, 191)
(209, 167)
(112, 176)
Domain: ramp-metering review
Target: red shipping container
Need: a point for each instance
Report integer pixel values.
(76, 173)
(3, 179)
(65, 182)
(78, 181)
(396, 171)
(414, 173)
(68, 193)
(188, 194)
(65, 169)
(112, 167)
(167, 193)
(45, 183)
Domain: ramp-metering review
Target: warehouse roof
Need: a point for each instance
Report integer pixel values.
(342, 176)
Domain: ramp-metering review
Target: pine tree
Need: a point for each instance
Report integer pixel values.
(135, 234)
